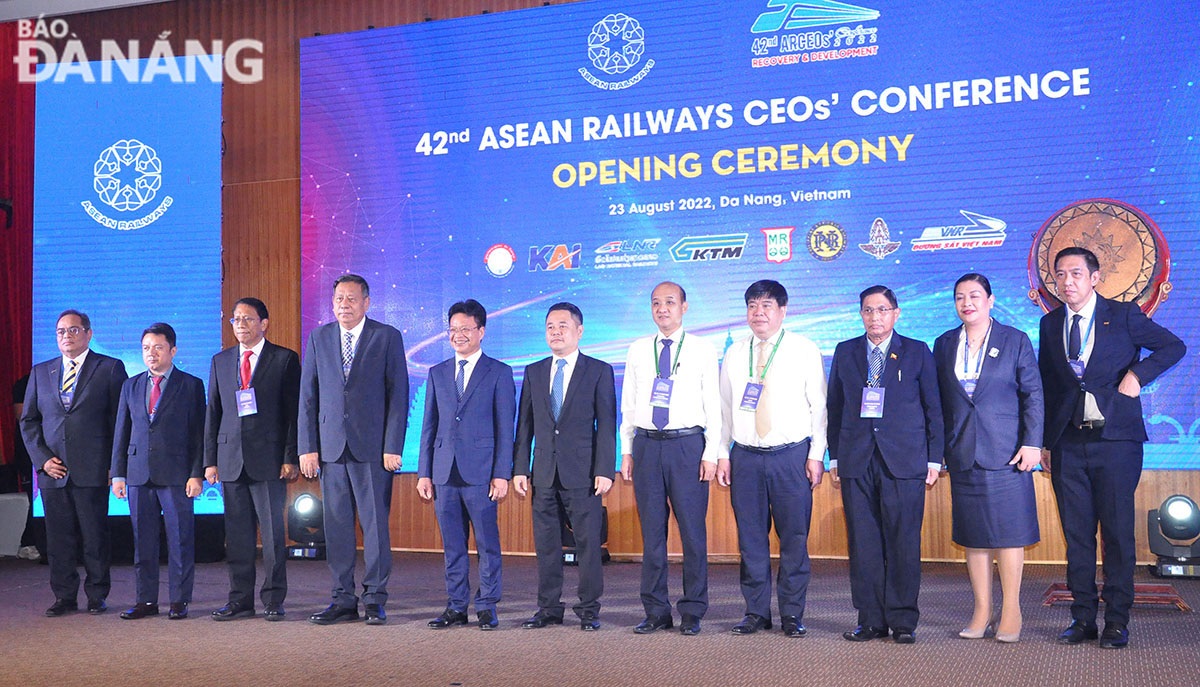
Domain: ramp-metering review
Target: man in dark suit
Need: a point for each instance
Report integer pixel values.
(885, 446)
(568, 420)
(353, 416)
(67, 421)
(250, 446)
(1092, 375)
(158, 463)
(466, 461)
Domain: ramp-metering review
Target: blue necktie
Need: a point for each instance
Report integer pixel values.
(662, 416)
(347, 355)
(460, 381)
(876, 370)
(556, 389)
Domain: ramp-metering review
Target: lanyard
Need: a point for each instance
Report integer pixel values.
(677, 351)
(1087, 334)
(750, 361)
(967, 351)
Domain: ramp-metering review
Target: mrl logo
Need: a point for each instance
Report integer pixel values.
(615, 46)
(127, 177)
(546, 258)
(200, 61)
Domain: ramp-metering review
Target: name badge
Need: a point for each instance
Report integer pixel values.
(750, 397)
(1078, 368)
(968, 386)
(872, 402)
(660, 392)
(66, 398)
(246, 403)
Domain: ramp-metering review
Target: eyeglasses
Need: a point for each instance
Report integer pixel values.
(464, 331)
(73, 331)
(867, 312)
(242, 320)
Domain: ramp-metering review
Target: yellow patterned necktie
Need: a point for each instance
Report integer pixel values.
(762, 412)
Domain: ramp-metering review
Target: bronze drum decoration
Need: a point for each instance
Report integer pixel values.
(1135, 263)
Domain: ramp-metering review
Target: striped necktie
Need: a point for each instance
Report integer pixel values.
(876, 369)
(68, 383)
(460, 381)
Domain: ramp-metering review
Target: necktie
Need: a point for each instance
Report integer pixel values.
(68, 383)
(347, 354)
(1074, 345)
(460, 381)
(876, 367)
(245, 375)
(662, 416)
(762, 414)
(556, 389)
(155, 394)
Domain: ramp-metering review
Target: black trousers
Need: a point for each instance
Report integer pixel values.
(586, 513)
(252, 507)
(75, 516)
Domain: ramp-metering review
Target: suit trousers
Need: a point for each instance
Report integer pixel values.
(76, 515)
(668, 471)
(145, 503)
(585, 511)
(766, 488)
(251, 508)
(347, 485)
(460, 508)
(1094, 482)
(883, 529)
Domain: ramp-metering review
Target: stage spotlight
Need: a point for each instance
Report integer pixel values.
(306, 527)
(1174, 534)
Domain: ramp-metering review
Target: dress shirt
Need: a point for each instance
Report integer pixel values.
(472, 361)
(354, 336)
(974, 365)
(162, 386)
(1087, 314)
(795, 389)
(255, 352)
(571, 359)
(78, 366)
(695, 394)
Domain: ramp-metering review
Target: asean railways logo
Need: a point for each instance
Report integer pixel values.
(126, 177)
(616, 45)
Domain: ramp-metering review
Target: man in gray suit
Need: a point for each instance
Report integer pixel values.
(353, 416)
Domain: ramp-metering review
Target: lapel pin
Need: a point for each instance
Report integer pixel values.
(993, 353)
(893, 356)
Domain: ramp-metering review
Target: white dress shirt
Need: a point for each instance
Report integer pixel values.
(1087, 340)
(472, 361)
(255, 352)
(695, 394)
(66, 365)
(571, 358)
(355, 335)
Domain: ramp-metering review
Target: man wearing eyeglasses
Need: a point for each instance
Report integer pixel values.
(466, 461)
(67, 424)
(250, 447)
(885, 446)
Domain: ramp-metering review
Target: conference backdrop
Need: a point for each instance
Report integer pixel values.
(585, 152)
(127, 215)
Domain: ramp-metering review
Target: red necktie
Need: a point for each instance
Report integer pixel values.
(155, 393)
(246, 369)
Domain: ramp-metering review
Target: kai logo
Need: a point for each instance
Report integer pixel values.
(803, 14)
(779, 244)
(547, 258)
(704, 248)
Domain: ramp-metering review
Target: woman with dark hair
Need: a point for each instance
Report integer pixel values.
(991, 395)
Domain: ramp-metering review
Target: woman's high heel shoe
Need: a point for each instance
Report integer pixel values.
(968, 633)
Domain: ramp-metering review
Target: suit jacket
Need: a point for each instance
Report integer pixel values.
(81, 437)
(168, 450)
(583, 443)
(909, 435)
(1120, 332)
(475, 433)
(366, 411)
(257, 444)
(1005, 412)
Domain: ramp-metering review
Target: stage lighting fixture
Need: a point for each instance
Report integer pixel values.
(1174, 534)
(306, 527)
(569, 554)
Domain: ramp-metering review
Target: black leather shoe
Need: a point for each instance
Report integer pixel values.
(751, 623)
(650, 625)
(865, 634)
(542, 619)
(140, 611)
(448, 618)
(792, 627)
(233, 611)
(178, 611)
(375, 614)
(689, 625)
(488, 620)
(274, 612)
(904, 637)
(334, 614)
(96, 606)
(61, 607)
(589, 622)
(1115, 636)
(1078, 632)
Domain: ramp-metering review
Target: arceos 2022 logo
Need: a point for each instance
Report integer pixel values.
(799, 45)
(127, 178)
(616, 45)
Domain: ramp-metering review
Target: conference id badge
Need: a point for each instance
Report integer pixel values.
(968, 386)
(1078, 368)
(66, 398)
(872, 402)
(246, 402)
(660, 393)
(750, 397)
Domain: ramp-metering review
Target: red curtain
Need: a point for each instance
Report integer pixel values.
(16, 246)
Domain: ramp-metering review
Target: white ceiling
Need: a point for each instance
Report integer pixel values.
(26, 9)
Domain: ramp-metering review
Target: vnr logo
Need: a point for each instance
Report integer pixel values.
(546, 258)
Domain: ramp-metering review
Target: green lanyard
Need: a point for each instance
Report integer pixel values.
(750, 365)
(677, 350)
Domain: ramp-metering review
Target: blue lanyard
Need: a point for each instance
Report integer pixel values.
(967, 351)
(1087, 334)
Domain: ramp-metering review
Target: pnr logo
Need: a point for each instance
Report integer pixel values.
(803, 14)
(126, 177)
(634, 246)
(615, 46)
(547, 258)
(704, 248)
(826, 241)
